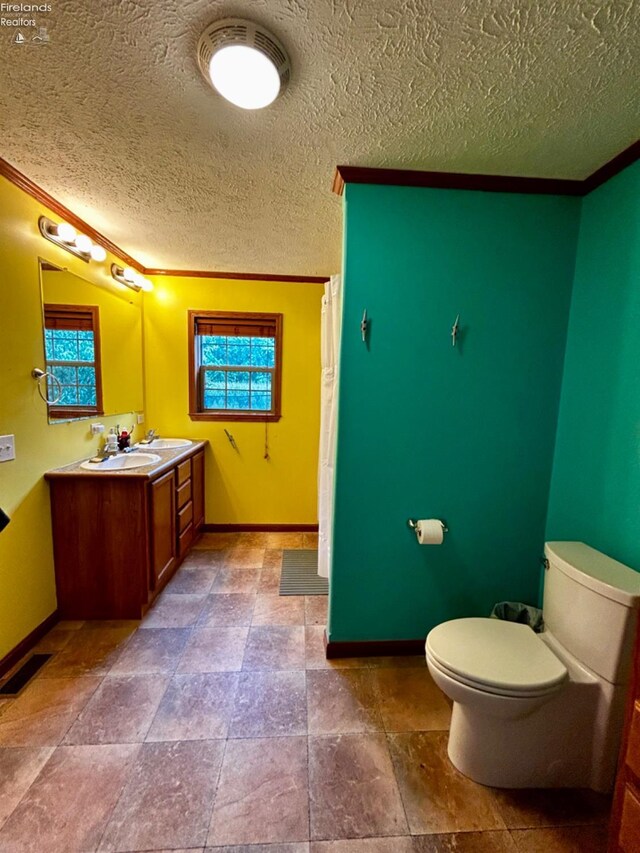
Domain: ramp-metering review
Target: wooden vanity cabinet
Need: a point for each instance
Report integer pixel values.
(624, 834)
(118, 539)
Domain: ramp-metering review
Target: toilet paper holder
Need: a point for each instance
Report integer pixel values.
(412, 522)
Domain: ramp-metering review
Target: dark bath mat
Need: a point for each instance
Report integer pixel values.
(21, 678)
(300, 574)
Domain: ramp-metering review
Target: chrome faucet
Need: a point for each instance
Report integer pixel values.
(151, 435)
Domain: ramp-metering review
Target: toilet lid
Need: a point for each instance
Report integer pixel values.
(495, 654)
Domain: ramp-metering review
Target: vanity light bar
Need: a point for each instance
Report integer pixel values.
(130, 278)
(66, 236)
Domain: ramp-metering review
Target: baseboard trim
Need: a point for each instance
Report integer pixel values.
(24, 646)
(372, 648)
(259, 528)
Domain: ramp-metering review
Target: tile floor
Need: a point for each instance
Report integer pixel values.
(217, 724)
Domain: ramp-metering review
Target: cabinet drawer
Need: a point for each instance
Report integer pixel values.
(630, 821)
(183, 494)
(184, 540)
(184, 472)
(185, 517)
(633, 745)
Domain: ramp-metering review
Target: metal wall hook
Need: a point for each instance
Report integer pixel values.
(364, 326)
(454, 330)
(232, 441)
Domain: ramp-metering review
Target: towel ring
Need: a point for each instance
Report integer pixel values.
(39, 375)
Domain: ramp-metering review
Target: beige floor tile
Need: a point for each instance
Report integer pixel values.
(120, 711)
(315, 609)
(564, 839)
(19, 766)
(352, 788)
(403, 844)
(274, 647)
(216, 541)
(272, 558)
(55, 640)
(269, 583)
(342, 701)
(231, 610)
(465, 842)
(298, 847)
(67, 807)
(168, 799)
(45, 710)
(315, 655)
(253, 539)
(279, 610)
(310, 540)
(529, 808)
(174, 611)
(216, 649)
(154, 650)
(236, 581)
(70, 624)
(262, 795)
(195, 707)
(91, 651)
(269, 704)
(397, 662)
(196, 580)
(204, 560)
(284, 540)
(410, 700)
(437, 798)
(244, 558)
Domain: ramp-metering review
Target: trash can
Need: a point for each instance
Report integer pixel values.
(515, 611)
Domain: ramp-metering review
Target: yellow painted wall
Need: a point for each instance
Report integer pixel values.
(120, 335)
(242, 487)
(27, 585)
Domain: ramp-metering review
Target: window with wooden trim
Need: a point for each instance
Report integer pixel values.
(235, 366)
(72, 353)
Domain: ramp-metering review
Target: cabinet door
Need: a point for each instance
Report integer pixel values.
(197, 478)
(163, 527)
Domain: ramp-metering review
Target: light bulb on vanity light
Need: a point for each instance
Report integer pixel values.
(98, 253)
(129, 275)
(67, 233)
(145, 284)
(83, 244)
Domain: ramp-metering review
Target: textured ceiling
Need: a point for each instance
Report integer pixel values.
(113, 118)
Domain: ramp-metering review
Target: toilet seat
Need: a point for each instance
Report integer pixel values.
(492, 656)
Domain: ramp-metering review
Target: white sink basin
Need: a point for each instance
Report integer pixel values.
(167, 443)
(122, 462)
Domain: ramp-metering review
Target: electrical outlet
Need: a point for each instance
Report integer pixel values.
(7, 448)
(97, 429)
(140, 418)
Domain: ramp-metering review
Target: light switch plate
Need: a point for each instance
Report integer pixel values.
(97, 429)
(140, 418)
(7, 448)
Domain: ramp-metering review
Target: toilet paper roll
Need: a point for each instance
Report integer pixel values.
(430, 531)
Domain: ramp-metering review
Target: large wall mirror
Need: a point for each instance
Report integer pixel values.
(93, 347)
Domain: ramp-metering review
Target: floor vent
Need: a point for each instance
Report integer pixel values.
(23, 676)
(300, 574)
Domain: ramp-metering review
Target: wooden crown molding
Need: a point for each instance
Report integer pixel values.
(241, 276)
(487, 183)
(16, 177)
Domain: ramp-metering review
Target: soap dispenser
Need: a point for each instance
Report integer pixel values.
(111, 445)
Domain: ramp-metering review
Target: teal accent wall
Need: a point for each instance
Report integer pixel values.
(595, 492)
(426, 430)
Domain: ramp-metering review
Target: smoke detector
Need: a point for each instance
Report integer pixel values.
(243, 62)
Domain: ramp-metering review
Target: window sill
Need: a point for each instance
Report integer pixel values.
(249, 417)
(70, 413)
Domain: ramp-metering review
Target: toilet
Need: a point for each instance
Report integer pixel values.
(543, 710)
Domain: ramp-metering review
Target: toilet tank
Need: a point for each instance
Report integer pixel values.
(590, 606)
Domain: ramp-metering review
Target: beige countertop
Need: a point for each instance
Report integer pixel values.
(168, 459)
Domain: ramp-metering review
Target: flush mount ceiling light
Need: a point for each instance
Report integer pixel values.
(243, 62)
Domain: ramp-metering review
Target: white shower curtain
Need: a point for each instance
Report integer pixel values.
(330, 352)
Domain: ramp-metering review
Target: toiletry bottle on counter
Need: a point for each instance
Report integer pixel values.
(124, 440)
(111, 445)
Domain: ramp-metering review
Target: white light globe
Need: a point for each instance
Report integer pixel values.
(66, 232)
(98, 253)
(145, 285)
(244, 76)
(129, 274)
(83, 243)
